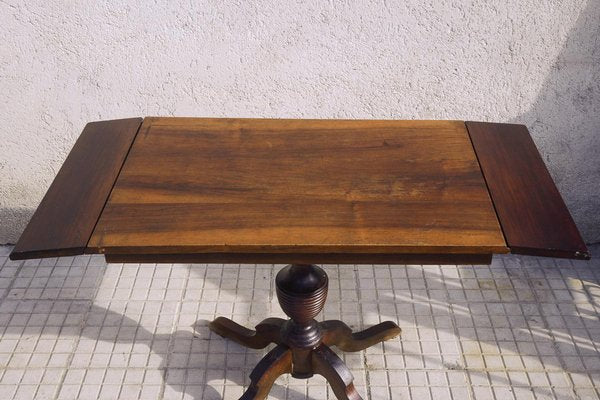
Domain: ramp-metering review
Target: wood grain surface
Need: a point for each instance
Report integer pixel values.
(533, 215)
(65, 219)
(228, 186)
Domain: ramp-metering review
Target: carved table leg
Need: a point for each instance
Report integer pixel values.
(276, 363)
(267, 332)
(302, 343)
(327, 364)
(337, 333)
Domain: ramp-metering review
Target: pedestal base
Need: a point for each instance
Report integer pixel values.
(302, 343)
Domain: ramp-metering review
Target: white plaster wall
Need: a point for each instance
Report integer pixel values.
(66, 62)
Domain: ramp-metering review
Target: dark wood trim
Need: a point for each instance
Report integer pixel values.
(65, 219)
(533, 215)
(283, 258)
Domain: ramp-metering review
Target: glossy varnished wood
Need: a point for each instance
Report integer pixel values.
(65, 219)
(265, 333)
(274, 364)
(532, 213)
(336, 333)
(327, 364)
(229, 186)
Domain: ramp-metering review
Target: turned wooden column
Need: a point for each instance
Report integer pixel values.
(302, 291)
(302, 343)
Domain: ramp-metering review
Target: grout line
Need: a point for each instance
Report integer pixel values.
(5, 368)
(18, 268)
(341, 316)
(546, 325)
(465, 369)
(171, 343)
(82, 325)
(590, 300)
(362, 326)
(435, 330)
(548, 329)
(385, 363)
(229, 343)
(211, 335)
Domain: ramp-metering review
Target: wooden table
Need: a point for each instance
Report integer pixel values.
(302, 192)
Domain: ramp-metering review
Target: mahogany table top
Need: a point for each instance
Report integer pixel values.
(319, 191)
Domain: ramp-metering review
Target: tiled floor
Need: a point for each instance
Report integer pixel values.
(522, 328)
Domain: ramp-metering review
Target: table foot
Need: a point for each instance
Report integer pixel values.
(267, 332)
(337, 333)
(327, 364)
(276, 363)
(302, 343)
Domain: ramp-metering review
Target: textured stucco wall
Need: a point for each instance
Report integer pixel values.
(65, 62)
